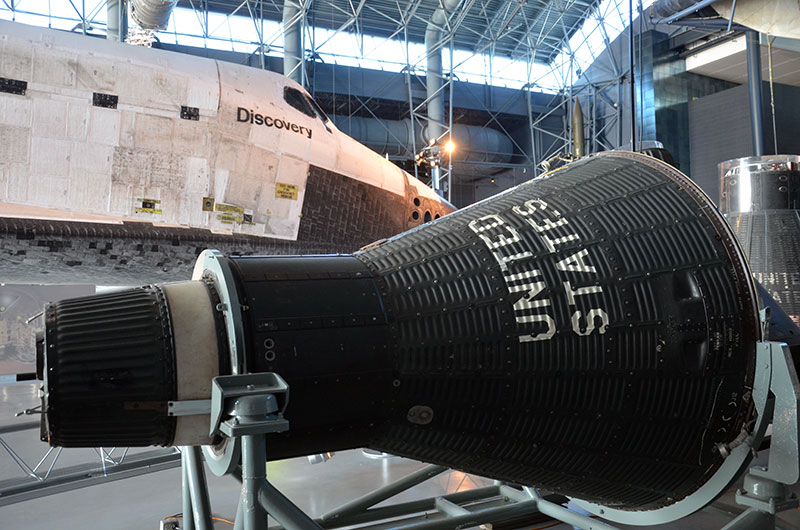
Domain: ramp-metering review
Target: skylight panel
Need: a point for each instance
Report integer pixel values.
(238, 33)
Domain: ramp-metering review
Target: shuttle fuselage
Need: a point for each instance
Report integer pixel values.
(120, 164)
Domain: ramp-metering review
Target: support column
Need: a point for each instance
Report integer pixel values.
(633, 81)
(531, 128)
(253, 411)
(188, 519)
(410, 103)
(594, 119)
(620, 102)
(449, 179)
(117, 20)
(293, 40)
(254, 474)
(198, 489)
(754, 85)
(435, 80)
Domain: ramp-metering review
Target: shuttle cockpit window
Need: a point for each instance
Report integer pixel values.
(297, 99)
(324, 117)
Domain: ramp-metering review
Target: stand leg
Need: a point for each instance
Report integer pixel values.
(238, 523)
(386, 492)
(283, 510)
(752, 519)
(254, 474)
(198, 489)
(187, 522)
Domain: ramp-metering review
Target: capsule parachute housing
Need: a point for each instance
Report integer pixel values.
(591, 332)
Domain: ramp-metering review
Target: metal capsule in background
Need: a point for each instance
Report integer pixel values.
(760, 197)
(591, 332)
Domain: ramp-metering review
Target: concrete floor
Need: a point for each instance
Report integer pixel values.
(141, 502)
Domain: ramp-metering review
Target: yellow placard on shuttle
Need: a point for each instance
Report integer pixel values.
(285, 191)
(147, 206)
(228, 219)
(229, 208)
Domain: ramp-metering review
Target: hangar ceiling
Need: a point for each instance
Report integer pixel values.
(511, 28)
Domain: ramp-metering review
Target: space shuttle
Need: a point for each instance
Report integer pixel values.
(119, 165)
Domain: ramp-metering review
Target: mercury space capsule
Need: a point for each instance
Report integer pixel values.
(761, 199)
(591, 332)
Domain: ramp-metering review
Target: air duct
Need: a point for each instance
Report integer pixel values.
(664, 9)
(754, 90)
(292, 41)
(394, 138)
(433, 50)
(777, 17)
(152, 14)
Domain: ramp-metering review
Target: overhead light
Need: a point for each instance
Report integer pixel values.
(449, 146)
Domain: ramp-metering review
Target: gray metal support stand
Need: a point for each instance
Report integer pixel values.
(247, 410)
(278, 506)
(386, 492)
(246, 407)
(766, 497)
(752, 520)
(754, 86)
(188, 520)
(249, 406)
(766, 490)
(238, 522)
(196, 504)
(283, 510)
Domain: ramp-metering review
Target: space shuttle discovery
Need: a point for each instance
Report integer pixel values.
(119, 165)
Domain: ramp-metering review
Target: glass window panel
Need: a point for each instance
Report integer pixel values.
(297, 99)
(185, 21)
(238, 33)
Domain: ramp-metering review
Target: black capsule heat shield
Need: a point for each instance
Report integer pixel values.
(591, 333)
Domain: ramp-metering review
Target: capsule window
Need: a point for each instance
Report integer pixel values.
(416, 201)
(297, 99)
(415, 215)
(427, 217)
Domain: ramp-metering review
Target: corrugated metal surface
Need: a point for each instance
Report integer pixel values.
(110, 362)
(761, 199)
(771, 240)
(523, 389)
